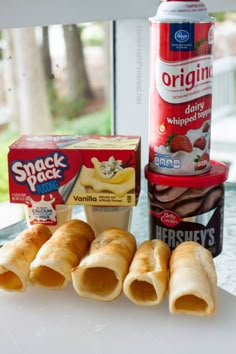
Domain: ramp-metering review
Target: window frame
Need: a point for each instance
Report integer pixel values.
(44, 12)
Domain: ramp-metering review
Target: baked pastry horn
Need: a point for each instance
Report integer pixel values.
(16, 256)
(147, 280)
(193, 280)
(101, 273)
(63, 251)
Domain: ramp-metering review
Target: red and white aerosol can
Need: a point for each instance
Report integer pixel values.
(181, 77)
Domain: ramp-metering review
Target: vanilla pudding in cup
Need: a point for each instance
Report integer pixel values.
(103, 217)
(53, 218)
(63, 214)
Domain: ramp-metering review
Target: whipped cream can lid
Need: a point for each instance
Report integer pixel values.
(218, 174)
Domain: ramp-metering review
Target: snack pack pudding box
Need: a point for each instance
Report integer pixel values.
(47, 171)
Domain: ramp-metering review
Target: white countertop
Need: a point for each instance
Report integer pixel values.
(42, 321)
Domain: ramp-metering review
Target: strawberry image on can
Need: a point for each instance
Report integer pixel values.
(181, 76)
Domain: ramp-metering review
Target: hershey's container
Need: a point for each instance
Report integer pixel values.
(181, 38)
(188, 208)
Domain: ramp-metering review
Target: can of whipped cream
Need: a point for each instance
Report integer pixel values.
(188, 208)
(181, 70)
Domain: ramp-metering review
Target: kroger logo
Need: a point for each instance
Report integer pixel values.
(182, 36)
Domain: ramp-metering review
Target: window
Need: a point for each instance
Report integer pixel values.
(53, 79)
(53, 74)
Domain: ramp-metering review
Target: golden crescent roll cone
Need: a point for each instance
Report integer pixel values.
(16, 256)
(53, 264)
(101, 273)
(147, 280)
(193, 280)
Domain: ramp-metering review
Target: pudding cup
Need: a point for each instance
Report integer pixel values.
(62, 214)
(103, 217)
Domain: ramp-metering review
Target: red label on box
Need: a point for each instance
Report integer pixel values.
(63, 169)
